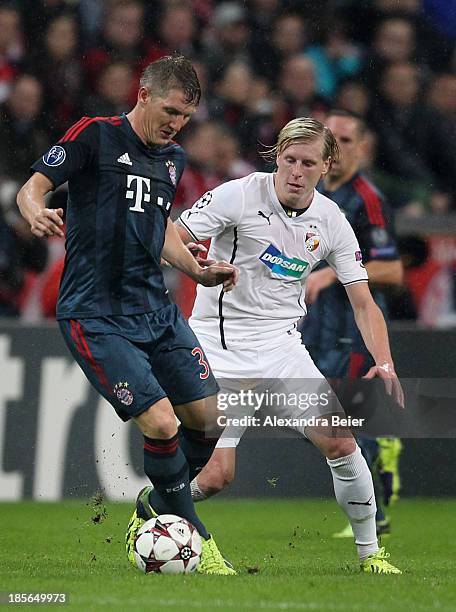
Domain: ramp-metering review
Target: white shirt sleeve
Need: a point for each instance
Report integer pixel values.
(215, 211)
(345, 255)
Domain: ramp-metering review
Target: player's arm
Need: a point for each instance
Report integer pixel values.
(383, 272)
(73, 154)
(30, 199)
(178, 255)
(195, 248)
(371, 323)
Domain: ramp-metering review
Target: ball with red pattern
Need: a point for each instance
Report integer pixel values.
(167, 544)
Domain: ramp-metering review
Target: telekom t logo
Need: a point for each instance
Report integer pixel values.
(140, 193)
(142, 188)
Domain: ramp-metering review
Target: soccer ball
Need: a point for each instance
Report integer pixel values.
(167, 544)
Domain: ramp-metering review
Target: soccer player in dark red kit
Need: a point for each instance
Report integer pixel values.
(113, 310)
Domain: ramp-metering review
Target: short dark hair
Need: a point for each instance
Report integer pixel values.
(339, 112)
(172, 72)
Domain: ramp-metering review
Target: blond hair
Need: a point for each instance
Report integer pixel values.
(304, 129)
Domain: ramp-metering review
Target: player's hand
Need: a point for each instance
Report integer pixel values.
(197, 250)
(393, 387)
(219, 273)
(317, 281)
(48, 222)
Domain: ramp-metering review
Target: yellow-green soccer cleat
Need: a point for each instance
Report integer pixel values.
(143, 508)
(378, 564)
(212, 561)
(143, 512)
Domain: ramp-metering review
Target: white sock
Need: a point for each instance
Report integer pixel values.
(197, 494)
(353, 483)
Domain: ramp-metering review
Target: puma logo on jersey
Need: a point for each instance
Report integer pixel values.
(192, 212)
(280, 264)
(125, 159)
(261, 214)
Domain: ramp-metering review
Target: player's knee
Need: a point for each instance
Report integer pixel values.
(158, 421)
(339, 447)
(165, 430)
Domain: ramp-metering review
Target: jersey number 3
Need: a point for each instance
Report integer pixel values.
(202, 362)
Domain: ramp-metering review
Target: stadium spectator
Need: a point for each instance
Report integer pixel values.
(412, 146)
(122, 39)
(336, 59)
(288, 38)
(22, 135)
(11, 48)
(175, 32)
(228, 40)
(261, 16)
(298, 87)
(228, 163)
(394, 42)
(202, 113)
(353, 96)
(38, 13)
(20, 252)
(58, 66)
(113, 91)
(442, 97)
(231, 102)
(91, 18)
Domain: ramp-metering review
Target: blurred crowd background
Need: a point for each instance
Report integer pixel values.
(261, 63)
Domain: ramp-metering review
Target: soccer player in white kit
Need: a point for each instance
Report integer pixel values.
(275, 227)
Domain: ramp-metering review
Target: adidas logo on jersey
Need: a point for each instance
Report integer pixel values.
(125, 159)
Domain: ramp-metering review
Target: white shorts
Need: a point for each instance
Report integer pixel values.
(280, 368)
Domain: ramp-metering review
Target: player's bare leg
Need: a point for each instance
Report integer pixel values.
(217, 474)
(354, 491)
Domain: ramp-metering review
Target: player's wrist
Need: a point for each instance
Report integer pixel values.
(386, 365)
(199, 274)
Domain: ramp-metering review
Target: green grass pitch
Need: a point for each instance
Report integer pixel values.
(282, 549)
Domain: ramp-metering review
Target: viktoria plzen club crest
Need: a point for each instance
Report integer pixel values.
(312, 239)
(172, 171)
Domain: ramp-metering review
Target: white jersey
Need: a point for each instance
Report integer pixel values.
(275, 254)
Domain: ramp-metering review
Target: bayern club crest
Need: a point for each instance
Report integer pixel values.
(312, 239)
(123, 393)
(172, 172)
